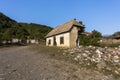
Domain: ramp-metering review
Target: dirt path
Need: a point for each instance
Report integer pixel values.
(22, 63)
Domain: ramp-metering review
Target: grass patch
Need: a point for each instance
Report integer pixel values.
(88, 65)
(110, 72)
(111, 69)
(53, 52)
(12, 45)
(109, 45)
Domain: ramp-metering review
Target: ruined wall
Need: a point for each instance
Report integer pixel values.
(73, 36)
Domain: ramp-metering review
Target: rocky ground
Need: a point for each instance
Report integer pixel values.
(105, 60)
(44, 63)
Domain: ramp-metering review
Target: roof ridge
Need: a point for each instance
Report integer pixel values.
(65, 23)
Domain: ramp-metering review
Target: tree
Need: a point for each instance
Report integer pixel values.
(0, 38)
(96, 34)
(0, 35)
(7, 35)
(22, 34)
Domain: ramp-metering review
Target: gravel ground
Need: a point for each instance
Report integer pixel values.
(24, 63)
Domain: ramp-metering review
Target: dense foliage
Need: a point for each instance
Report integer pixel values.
(116, 33)
(92, 39)
(10, 29)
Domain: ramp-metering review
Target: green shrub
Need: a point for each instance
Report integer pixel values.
(88, 40)
(92, 39)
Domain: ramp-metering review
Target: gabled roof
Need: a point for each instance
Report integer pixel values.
(64, 27)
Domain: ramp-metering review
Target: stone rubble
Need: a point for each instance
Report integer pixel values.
(100, 56)
(95, 54)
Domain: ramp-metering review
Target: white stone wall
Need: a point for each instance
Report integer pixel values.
(47, 41)
(32, 41)
(66, 40)
(15, 40)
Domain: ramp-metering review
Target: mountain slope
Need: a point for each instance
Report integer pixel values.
(6, 22)
(10, 28)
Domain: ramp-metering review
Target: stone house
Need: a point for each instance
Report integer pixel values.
(15, 40)
(117, 37)
(87, 33)
(32, 41)
(111, 40)
(65, 35)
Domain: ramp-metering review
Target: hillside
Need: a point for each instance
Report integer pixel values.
(10, 28)
(6, 22)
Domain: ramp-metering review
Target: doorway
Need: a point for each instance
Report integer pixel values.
(54, 41)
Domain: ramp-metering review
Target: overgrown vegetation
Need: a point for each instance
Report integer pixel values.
(10, 29)
(92, 39)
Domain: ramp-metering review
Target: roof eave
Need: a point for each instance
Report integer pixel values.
(57, 34)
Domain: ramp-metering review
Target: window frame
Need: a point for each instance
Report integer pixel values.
(61, 40)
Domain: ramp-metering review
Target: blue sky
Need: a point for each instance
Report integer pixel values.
(101, 15)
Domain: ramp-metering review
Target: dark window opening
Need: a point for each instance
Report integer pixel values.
(54, 42)
(61, 40)
(49, 42)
